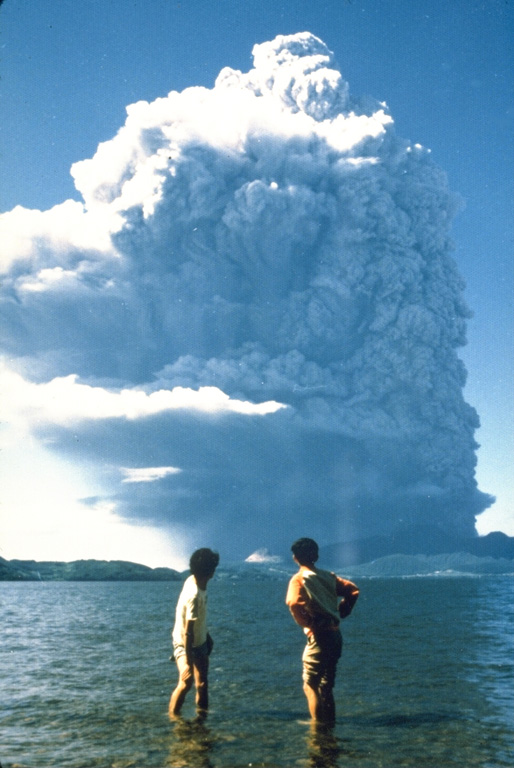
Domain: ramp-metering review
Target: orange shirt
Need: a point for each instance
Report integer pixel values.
(313, 598)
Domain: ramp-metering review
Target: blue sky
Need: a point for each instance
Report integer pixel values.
(445, 70)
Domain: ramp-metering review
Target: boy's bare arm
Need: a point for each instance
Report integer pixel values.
(188, 645)
(349, 592)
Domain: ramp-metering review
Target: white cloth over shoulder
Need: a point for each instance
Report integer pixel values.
(321, 588)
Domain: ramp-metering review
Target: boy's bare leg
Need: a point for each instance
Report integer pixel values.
(313, 702)
(201, 671)
(184, 684)
(328, 705)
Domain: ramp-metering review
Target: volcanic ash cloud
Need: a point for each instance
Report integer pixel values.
(272, 238)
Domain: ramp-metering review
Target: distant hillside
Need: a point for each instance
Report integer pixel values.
(387, 566)
(417, 540)
(83, 570)
(458, 563)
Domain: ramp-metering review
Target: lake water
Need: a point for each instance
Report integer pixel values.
(426, 677)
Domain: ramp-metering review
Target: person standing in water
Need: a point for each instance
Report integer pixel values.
(314, 599)
(192, 643)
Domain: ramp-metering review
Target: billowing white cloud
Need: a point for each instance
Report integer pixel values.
(31, 235)
(265, 243)
(65, 401)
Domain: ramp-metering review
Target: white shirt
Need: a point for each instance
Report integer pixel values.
(191, 606)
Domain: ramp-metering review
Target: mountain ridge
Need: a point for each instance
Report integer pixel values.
(418, 540)
(386, 566)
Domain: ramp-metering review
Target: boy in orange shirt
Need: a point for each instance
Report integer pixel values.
(314, 599)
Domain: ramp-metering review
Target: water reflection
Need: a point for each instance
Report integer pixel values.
(322, 747)
(192, 744)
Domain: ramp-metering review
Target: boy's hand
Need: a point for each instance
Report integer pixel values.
(345, 608)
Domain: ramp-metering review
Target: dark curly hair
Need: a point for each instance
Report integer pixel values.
(203, 562)
(305, 550)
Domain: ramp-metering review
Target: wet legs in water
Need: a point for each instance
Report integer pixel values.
(196, 672)
(320, 700)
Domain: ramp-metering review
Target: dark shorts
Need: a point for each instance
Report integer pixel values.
(320, 658)
(199, 651)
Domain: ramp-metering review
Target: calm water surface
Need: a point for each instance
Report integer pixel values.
(425, 679)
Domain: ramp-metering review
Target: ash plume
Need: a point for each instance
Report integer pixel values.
(273, 240)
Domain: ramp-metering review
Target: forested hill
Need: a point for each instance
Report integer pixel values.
(83, 570)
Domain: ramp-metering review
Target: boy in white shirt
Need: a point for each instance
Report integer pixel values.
(192, 643)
